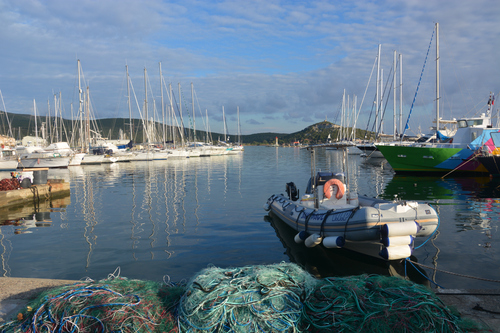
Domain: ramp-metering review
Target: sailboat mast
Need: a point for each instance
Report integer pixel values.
(129, 105)
(394, 97)
(239, 127)
(87, 118)
(80, 110)
(437, 77)
(400, 93)
(145, 134)
(194, 118)
(162, 108)
(36, 125)
(377, 93)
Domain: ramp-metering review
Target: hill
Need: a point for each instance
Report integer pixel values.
(115, 128)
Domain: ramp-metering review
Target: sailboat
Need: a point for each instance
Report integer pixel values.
(35, 156)
(8, 158)
(455, 154)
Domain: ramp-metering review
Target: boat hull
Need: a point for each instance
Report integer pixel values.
(46, 162)
(361, 223)
(491, 163)
(406, 159)
(8, 165)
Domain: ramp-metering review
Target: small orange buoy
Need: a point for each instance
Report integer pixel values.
(19, 316)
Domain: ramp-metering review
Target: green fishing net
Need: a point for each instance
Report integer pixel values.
(262, 298)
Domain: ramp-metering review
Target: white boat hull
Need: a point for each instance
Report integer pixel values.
(44, 162)
(8, 165)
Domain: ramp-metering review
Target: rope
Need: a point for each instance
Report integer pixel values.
(457, 274)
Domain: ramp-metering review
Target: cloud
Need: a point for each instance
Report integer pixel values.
(290, 61)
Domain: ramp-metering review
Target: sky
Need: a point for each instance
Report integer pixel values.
(284, 64)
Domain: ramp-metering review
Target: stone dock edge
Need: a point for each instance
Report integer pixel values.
(480, 305)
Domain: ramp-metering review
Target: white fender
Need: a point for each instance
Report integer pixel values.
(313, 240)
(333, 242)
(300, 237)
(400, 229)
(397, 240)
(396, 252)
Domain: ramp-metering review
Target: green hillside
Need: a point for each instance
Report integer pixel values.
(23, 125)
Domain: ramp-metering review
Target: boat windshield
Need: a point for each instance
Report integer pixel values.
(462, 123)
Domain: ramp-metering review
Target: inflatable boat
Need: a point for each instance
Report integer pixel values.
(329, 215)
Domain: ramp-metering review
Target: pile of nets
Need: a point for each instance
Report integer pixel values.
(9, 184)
(248, 299)
(111, 305)
(266, 298)
(285, 298)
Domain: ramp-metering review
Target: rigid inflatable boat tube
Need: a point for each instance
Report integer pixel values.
(333, 242)
(300, 237)
(400, 229)
(396, 252)
(397, 240)
(313, 240)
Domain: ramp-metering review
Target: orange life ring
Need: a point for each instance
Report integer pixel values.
(340, 186)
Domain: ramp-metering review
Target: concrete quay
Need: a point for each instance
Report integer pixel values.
(55, 188)
(482, 306)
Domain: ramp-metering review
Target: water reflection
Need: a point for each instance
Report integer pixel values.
(322, 262)
(25, 220)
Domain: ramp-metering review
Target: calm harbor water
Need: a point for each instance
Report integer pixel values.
(170, 219)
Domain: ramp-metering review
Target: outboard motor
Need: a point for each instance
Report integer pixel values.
(291, 190)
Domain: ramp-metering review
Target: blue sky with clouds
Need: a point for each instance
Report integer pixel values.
(284, 63)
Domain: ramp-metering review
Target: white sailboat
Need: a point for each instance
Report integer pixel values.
(38, 157)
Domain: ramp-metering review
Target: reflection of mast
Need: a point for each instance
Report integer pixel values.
(167, 225)
(5, 254)
(89, 216)
(132, 215)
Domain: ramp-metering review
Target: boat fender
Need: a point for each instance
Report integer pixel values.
(267, 207)
(400, 229)
(301, 237)
(396, 252)
(313, 240)
(340, 188)
(333, 242)
(397, 240)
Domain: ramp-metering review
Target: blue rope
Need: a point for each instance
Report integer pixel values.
(418, 85)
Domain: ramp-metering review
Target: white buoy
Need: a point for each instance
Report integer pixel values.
(313, 240)
(300, 237)
(334, 242)
(400, 229)
(396, 252)
(397, 240)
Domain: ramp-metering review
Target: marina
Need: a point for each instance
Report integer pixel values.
(175, 217)
(166, 220)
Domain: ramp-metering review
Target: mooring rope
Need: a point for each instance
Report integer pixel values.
(452, 273)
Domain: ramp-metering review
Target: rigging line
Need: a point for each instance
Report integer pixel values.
(418, 85)
(389, 79)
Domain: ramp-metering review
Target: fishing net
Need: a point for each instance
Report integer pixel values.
(267, 298)
(111, 305)
(374, 303)
(247, 299)
(285, 298)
